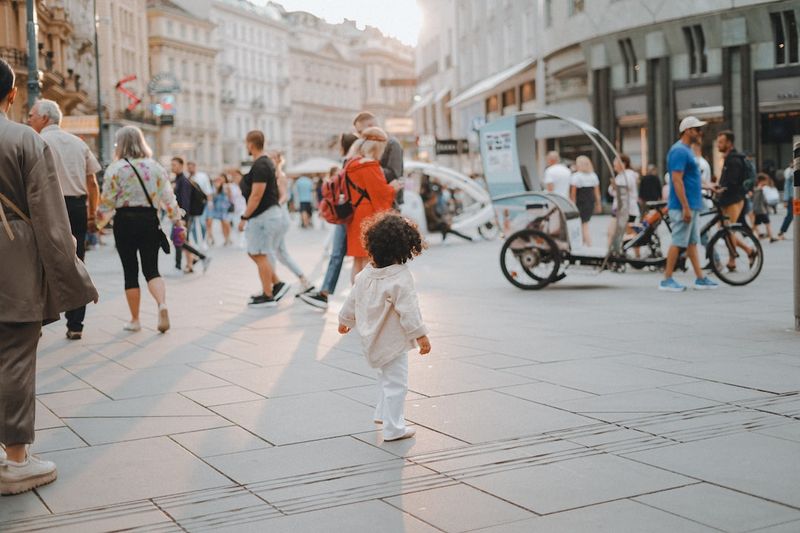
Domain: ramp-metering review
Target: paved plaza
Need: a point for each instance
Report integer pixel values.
(598, 404)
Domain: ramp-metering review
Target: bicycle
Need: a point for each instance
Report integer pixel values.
(733, 251)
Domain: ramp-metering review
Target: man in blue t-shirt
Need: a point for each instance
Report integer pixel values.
(303, 189)
(685, 203)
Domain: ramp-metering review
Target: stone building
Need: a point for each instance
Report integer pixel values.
(59, 81)
(184, 80)
(326, 85)
(253, 71)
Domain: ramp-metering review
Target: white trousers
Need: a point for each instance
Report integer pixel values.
(392, 389)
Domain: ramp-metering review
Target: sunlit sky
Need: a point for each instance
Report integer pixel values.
(398, 18)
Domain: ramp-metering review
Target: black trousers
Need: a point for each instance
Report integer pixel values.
(78, 221)
(136, 231)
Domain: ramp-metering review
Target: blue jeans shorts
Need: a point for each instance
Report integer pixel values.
(684, 233)
(263, 232)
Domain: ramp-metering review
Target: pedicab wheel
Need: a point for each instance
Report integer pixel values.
(489, 231)
(735, 255)
(530, 259)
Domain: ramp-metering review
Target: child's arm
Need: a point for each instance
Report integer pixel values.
(347, 316)
(407, 306)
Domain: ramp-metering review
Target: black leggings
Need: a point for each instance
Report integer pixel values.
(136, 229)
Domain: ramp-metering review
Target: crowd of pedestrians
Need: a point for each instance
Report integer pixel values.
(50, 200)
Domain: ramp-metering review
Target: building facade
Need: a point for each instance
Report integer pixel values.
(387, 72)
(184, 83)
(253, 71)
(326, 88)
(59, 79)
(633, 68)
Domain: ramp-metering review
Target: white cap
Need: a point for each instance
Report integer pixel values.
(690, 122)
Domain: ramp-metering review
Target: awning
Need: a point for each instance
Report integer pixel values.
(491, 82)
(424, 101)
(315, 165)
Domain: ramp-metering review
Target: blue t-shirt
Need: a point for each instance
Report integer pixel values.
(681, 159)
(303, 188)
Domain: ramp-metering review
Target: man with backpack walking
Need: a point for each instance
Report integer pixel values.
(193, 202)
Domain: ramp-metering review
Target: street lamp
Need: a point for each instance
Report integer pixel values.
(100, 142)
(33, 55)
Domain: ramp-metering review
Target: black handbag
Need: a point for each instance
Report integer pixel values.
(163, 241)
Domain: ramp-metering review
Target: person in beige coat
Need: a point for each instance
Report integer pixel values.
(383, 307)
(42, 277)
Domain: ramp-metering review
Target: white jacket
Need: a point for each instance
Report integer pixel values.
(384, 309)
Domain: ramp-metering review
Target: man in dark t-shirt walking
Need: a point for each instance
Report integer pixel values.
(262, 221)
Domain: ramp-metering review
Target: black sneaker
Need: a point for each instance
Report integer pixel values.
(309, 290)
(320, 301)
(279, 290)
(262, 300)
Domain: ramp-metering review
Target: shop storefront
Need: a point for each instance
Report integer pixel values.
(778, 94)
(630, 113)
(703, 101)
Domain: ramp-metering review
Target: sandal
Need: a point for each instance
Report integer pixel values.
(752, 256)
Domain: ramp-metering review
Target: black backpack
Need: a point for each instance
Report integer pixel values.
(197, 201)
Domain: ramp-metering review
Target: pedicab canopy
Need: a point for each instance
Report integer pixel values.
(508, 154)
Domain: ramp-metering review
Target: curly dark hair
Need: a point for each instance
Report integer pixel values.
(391, 239)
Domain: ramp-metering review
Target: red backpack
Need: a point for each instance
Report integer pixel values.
(336, 205)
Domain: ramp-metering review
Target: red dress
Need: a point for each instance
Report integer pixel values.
(367, 175)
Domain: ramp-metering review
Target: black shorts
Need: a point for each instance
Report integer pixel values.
(305, 207)
(762, 218)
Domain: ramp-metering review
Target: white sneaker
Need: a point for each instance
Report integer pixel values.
(132, 326)
(16, 478)
(410, 432)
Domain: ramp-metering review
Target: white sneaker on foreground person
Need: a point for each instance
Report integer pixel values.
(16, 478)
(410, 432)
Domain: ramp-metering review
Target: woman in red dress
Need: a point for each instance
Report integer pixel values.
(364, 171)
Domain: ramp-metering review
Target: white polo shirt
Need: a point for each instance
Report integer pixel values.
(76, 160)
(560, 176)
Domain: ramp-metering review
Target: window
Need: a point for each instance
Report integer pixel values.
(696, 45)
(784, 29)
(575, 7)
(509, 98)
(492, 105)
(527, 91)
(631, 63)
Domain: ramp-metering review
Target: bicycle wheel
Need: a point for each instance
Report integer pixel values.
(735, 255)
(530, 259)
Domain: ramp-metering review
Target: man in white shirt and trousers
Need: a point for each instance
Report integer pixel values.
(76, 167)
(557, 177)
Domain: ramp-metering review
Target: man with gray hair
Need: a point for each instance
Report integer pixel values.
(76, 167)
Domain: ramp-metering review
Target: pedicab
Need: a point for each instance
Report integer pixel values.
(477, 211)
(544, 229)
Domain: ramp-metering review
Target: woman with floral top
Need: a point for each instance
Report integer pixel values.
(136, 225)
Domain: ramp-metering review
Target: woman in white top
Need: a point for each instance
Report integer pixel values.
(628, 178)
(585, 193)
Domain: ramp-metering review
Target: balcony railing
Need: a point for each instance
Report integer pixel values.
(14, 56)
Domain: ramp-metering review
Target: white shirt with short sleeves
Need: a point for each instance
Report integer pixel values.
(559, 176)
(74, 160)
(585, 179)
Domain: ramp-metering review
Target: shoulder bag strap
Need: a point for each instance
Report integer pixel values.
(11, 205)
(141, 182)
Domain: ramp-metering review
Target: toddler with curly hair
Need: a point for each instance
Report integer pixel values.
(383, 307)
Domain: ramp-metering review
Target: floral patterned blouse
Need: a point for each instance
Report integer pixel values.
(121, 188)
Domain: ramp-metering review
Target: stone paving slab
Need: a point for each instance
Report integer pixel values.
(598, 404)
